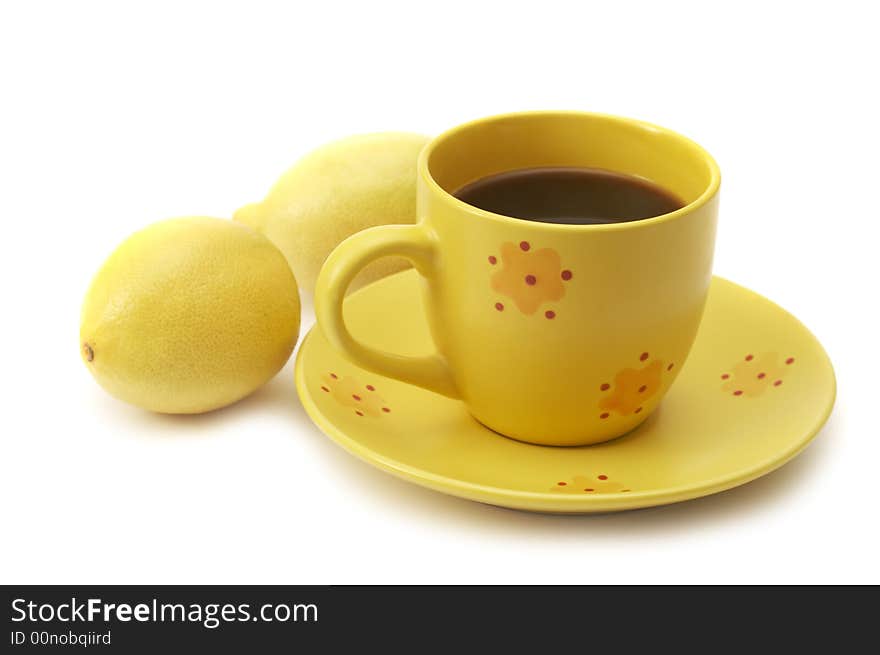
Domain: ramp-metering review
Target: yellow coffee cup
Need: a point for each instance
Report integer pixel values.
(584, 350)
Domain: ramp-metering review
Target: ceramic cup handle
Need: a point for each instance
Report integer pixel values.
(415, 244)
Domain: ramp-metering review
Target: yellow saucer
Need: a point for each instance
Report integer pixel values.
(754, 391)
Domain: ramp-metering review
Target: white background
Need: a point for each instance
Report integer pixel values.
(115, 117)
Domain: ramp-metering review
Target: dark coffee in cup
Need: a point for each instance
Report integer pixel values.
(571, 195)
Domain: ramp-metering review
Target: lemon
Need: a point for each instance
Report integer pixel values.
(188, 315)
(335, 191)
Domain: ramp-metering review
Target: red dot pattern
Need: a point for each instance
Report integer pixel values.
(761, 375)
(603, 415)
(643, 357)
(530, 279)
(355, 397)
(589, 490)
(605, 387)
(643, 388)
(637, 410)
(668, 368)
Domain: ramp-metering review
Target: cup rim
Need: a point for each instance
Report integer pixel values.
(708, 193)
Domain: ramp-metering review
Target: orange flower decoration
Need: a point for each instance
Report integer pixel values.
(632, 387)
(752, 376)
(348, 392)
(598, 484)
(529, 277)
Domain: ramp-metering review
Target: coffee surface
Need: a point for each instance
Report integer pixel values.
(575, 196)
